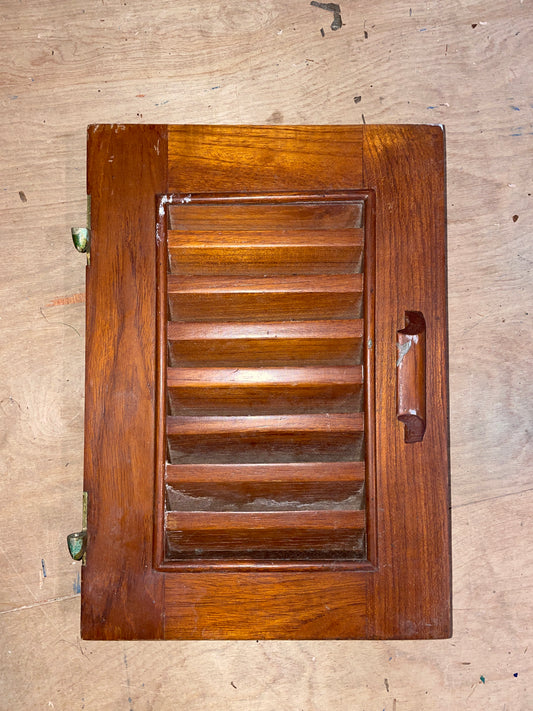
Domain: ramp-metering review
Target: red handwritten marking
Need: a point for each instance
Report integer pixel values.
(64, 300)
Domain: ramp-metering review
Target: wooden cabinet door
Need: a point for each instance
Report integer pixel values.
(266, 437)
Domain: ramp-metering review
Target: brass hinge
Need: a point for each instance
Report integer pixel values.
(81, 236)
(77, 542)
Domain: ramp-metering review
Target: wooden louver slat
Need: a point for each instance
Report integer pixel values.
(337, 533)
(324, 343)
(264, 429)
(239, 391)
(210, 298)
(265, 252)
(238, 486)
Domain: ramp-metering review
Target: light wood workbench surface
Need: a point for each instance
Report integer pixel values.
(464, 64)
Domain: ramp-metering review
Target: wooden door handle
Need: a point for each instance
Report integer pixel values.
(411, 376)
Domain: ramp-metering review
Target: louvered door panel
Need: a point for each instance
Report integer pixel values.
(299, 435)
(263, 316)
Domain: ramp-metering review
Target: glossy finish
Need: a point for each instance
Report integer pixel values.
(264, 368)
(122, 596)
(411, 595)
(287, 503)
(411, 376)
(264, 158)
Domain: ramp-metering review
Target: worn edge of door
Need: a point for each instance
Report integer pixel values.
(199, 605)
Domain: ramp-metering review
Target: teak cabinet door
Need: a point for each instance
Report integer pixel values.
(266, 424)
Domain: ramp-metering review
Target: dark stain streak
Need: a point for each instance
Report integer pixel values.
(363, 117)
(233, 685)
(130, 701)
(491, 498)
(58, 322)
(22, 196)
(366, 34)
(322, 32)
(276, 117)
(331, 7)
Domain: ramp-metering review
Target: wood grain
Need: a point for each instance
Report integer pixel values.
(243, 216)
(405, 165)
(411, 376)
(264, 253)
(399, 164)
(225, 415)
(268, 64)
(256, 439)
(239, 484)
(328, 534)
(305, 298)
(192, 613)
(266, 344)
(242, 391)
(122, 596)
(269, 158)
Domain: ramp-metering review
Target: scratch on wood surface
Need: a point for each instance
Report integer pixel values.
(491, 498)
(64, 300)
(62, 323)
(38, 604)
(403, 349)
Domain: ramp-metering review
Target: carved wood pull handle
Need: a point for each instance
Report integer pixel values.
(411, 376)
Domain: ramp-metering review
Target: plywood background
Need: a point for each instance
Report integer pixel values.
(464, 64)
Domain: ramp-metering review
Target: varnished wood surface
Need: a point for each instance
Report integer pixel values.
(204, 298)
(266, 344)
(235, 391)
(413, 524)
(310, 163)
(330, 534)
(411, 377)
(256, 439)
(219, 311)
(215, 217)
(239, 484)
(265, 252)
(198, 601)
(120, 377)
(405, 546)
(64, 69)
